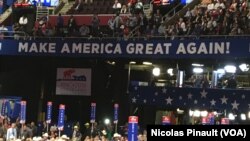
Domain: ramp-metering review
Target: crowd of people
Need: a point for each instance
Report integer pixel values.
(211, 17)
(15, 131)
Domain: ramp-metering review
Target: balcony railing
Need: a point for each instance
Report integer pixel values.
(23, 35)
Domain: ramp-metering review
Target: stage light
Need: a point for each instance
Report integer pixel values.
(243, 116)
(198, 70)
(146, 63)
(191, 113)
(179, 111)
(244, 67)
(231, 116)
(221, 71)
(230, 69)
(170, 71)
(132, 62)
(204, 113)
(197, 113)
(197, 65)
(156, 71)
(106, 121)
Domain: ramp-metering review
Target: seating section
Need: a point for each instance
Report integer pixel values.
(97, 7)
(213, 17)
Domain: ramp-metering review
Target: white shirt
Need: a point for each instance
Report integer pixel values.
(23, 20)
(117, 5)
(11, 134)
(210, 7)
(3, 29)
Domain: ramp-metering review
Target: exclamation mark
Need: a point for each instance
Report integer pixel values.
(227, 46)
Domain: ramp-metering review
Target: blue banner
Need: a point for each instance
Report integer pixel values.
(132, 128)
(8, 108)
(93, 112)
(16, 110)
(23, 112)
(61, 114)
(116, 109)
(211, 119)
(189, 48)
(3, 110)
(231, 100)
(49, 112)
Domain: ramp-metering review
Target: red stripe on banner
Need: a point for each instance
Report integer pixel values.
(23, 102)
(62, 106)
(166, 119)
(133, 119)
(116, 105)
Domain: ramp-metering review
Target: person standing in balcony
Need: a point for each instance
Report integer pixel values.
(117, 6)
(79, 6)
(59, 24)
(84, 30)
(88, 1)
(71, 25)
(3, 31)
(124, 9)
(23, 22)
(138, 7)
(95, 22)
(117, 23)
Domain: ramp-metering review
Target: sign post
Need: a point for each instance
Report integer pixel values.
(116, 109)
(92, 117)
(132, 128)
(3, 110)
(211, 118)
(23, 113)
(49, 112)
(61, 118)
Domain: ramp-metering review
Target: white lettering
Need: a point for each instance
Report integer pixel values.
(86, 48)
(167, 46)
(149, 48)
(181, 49)
(95, 48)
(23, 47)
(130, 48)
(191, 48)
(65, 48)
(33, 48)
(108, 49)
(139, 49)
(219, 48)
(52, 47)
(202, 49)
(42, 47)
(76, 48)
(118, 49)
